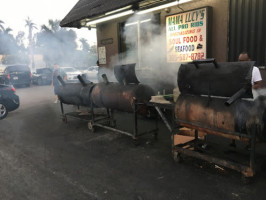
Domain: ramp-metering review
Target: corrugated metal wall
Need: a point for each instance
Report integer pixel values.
(247, 30)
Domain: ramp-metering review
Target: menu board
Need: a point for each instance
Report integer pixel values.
(186, 35)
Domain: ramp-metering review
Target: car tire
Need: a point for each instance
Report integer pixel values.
(3, 110)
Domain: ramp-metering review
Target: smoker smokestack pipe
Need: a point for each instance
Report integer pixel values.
(61, 81)
(81, 80)
(236, 96)
(105, 79)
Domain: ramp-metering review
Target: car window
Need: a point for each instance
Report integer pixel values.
(93, 68)
(68, 69)
(43, 71)
(2, 69)
(46, 71)
(18, 68)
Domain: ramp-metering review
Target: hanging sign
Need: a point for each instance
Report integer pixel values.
(186, 35)
(102, 55)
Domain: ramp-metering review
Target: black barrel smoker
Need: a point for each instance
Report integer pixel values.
(127, 95)
(216, 99)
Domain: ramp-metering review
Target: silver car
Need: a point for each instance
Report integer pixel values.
(72, 74)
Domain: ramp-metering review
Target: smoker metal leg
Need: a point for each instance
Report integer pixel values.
(156, 128)
(254, 130)
(61, 106)
(92, 113)
(250, 172)
(108, 112)
(247, 171)
(64, 118)
(112, 120)
(176, 154)
(135, 133)
(196, 140)
(164, 119)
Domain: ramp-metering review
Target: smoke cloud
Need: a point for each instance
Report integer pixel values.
(145, 44)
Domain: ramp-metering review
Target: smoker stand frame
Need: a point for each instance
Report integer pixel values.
(165, 106)
(193, 149)
(104, 118)
(108, 122)
(134, 134)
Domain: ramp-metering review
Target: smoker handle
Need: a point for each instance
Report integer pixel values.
(209, 60)
(61, 80)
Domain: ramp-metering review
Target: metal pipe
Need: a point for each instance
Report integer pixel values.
(236, 96)
(246, 170)
(61, 80)
(164, 119)
(105, 79)
(220, 132)
(81, 80)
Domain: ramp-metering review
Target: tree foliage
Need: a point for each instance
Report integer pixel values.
(12, 50)
(56, 44)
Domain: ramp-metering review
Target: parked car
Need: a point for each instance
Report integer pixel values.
(16, 75)
(42, 76)
(9, 101)
(72, 74)
(91, 74)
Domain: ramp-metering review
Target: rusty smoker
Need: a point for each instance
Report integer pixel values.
(128, 95)
(108, 95)
(216, 98)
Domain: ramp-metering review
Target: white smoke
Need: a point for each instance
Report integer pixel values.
(152, 67)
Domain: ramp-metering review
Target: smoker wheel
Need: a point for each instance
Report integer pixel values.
(64, 119)
(113, 123)
(177, 157)
(136, 141)
(246, 180)
(155, 136)
(91, 127)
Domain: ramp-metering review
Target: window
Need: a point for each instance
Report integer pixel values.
(17, 68)
(136, 40)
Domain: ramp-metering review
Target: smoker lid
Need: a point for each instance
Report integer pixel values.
(126, 73)
(220, 79)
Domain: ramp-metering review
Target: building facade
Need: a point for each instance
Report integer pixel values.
(160, 35)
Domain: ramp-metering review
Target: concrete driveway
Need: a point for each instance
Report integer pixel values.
(42, 158)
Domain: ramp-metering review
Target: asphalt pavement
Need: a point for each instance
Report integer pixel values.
(43, 158)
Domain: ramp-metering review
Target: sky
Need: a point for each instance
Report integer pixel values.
(14, 13)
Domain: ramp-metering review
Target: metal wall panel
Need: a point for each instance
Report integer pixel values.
(247, 30)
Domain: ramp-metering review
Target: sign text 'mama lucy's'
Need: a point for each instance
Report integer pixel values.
(194, 16)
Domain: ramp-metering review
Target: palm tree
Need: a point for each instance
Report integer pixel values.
(56, 44)
(19, 38)
(31, 26)
(84, 45)
(1, 26)
(54, 26)
(7, 41)
(7, 30)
